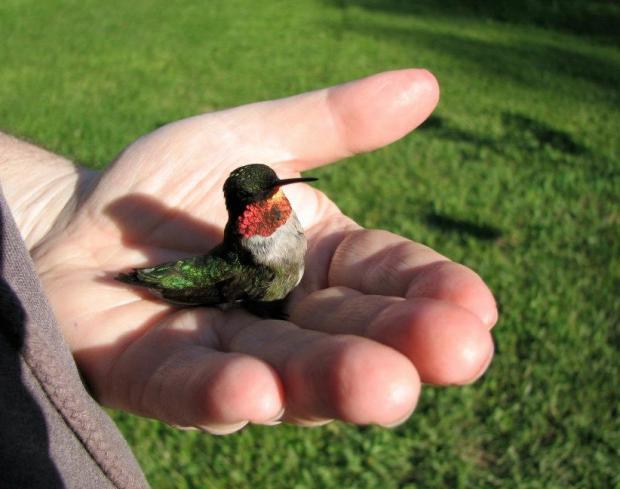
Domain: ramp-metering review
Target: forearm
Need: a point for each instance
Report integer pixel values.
(40, 187)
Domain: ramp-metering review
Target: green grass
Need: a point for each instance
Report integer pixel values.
(517, 175)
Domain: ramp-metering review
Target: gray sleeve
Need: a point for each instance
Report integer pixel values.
(52, 433)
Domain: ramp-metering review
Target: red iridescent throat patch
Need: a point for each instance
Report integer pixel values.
(264, 217)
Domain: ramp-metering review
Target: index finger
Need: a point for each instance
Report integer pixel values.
(381, 263)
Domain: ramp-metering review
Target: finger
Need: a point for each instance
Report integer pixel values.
(358, 116)
(314, 128)
(328, 376)
(173, 374)
(446, 343)
(382, 263)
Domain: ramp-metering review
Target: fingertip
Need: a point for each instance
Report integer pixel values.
(373, 384)
(420, 91)
(431, 83)
(448, 344)
(452, 282)
(458, 357)
(382, 108)
(240, 390)
(471, 358)
(408, 96)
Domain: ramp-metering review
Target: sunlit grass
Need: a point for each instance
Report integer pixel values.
(517, 175)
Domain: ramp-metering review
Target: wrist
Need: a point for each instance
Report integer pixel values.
(41, 188)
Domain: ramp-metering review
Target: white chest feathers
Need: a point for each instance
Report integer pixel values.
(285, 248)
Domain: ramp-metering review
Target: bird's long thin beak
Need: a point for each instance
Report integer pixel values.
(288, 181)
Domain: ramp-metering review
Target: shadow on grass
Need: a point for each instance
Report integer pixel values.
(520, 132)
(526, 61)
(598, 19)
(531, 132)
(439, 126)
(445, 223)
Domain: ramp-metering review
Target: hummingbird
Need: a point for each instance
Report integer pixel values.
(258, 263)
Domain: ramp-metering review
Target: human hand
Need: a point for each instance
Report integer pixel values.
(374, 316)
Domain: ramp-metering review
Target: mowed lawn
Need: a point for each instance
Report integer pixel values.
(517, 175)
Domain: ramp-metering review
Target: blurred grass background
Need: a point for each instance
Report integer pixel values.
(517, 175)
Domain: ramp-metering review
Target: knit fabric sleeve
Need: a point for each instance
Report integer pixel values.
(52, 433)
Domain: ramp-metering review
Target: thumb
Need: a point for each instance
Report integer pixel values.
(322, 126)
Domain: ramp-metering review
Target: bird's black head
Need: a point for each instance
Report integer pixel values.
(253, 183)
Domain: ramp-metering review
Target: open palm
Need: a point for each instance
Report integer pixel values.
(374, 316)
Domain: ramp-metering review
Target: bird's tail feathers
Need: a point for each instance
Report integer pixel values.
(132, 278)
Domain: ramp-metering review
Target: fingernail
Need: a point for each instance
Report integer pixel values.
(399, 422)
(185, 428)
(277, 419)
(226, 429)
(490, 318)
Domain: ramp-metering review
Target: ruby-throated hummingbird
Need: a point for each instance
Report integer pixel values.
(259, 262)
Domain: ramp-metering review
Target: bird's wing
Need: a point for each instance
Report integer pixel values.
(209, 279)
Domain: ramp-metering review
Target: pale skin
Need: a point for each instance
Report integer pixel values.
(376, 315)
